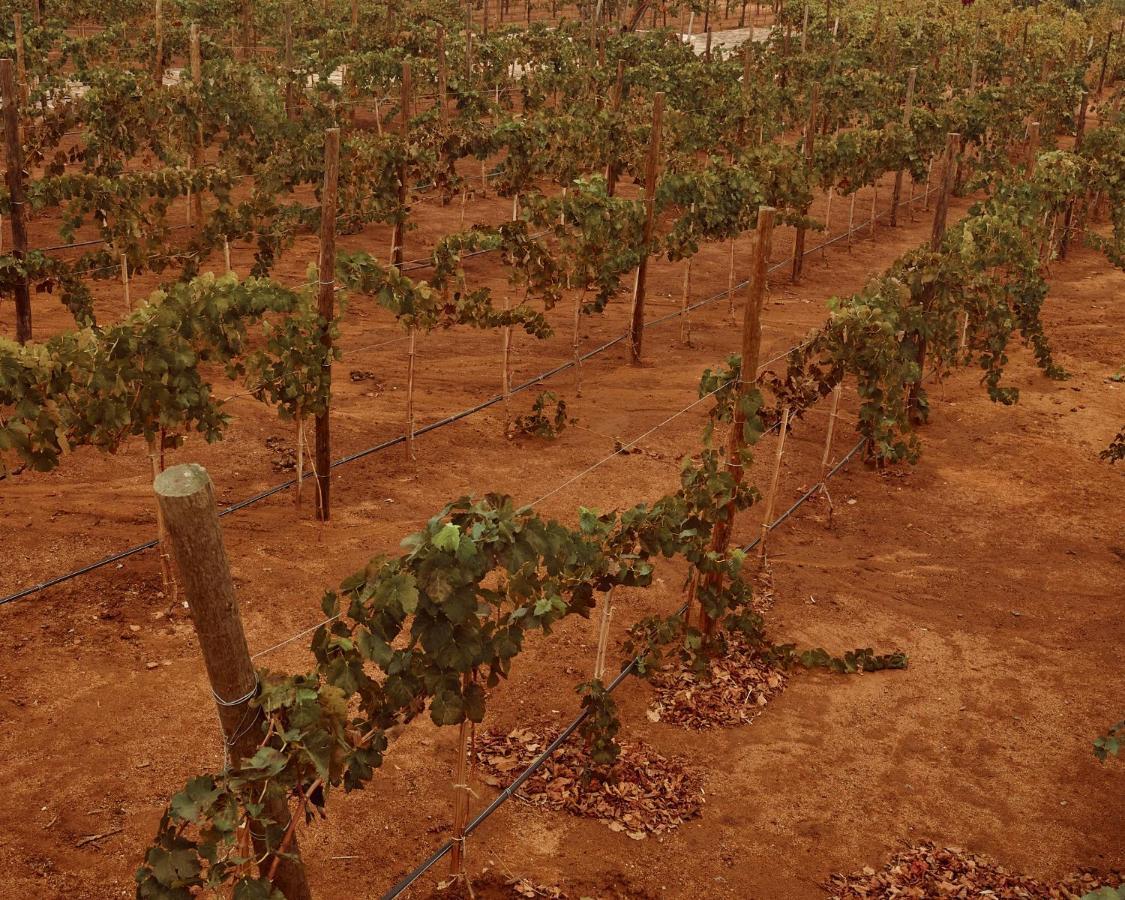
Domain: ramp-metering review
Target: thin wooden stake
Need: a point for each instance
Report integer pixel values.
(300, 460)
(461, 794)
(326, 306)
(807, 153)
(196, 205)
(399, 237)
(907, 107)
(167, 579)
(685, 305)
(158, 62)
(603, 636)
(187, 505)
(771, 495)
(411, 356)
(851, 220)
(1032, 147)
(442, 78)
(226, 253)
(612, 166)
(637, 320)
(125, 281)
(14, 178)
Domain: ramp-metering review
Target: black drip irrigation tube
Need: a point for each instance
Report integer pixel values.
(505, 795)
(393, 442)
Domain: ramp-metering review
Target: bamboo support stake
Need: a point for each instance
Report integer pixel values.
(807, 153)
(637, 319)
(1032, 147)
(574, 344)
(907, 108)
(603, 636)
(187, 504)
(14, 178)
(730, 279)
(685, 306)
(461, 789)
(771, 495)
(125, 282)
(827, 455)
(836, 392)
(226, 253)
(851, 220)
(196, 205)
(167, 578)
(300, 460)
(874, 200)
(326, 303)
(747, 382)
(410, 366)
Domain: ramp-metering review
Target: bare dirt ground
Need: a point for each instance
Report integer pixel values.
(996, 563)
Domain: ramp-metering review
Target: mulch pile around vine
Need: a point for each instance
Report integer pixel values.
(928, 871)
(738, 687)
(646, 793)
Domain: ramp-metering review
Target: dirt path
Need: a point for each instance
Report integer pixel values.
(985, 740)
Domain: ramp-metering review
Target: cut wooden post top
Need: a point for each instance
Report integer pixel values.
(182, 480)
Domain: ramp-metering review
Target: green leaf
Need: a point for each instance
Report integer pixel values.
(199, 795)
(448, 538)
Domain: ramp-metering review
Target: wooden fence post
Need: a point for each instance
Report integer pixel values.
(187, 504)
(771, 496)
(326, 303)
(14, 178)
(747, 382)
(937, 233)
(807, 153)
(197, 154)
(906, 110)
(637, 324)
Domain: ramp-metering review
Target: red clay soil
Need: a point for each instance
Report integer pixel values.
(996, 563)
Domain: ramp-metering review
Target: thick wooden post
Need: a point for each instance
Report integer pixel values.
(197, 151)
(400, 219)
(326, 303)
(158, 60)
(747, 382)
(187, 504)
(807, 152)
(14, 178)
(637, 323)
(906, 110)
(612, 166)
(945, 184)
